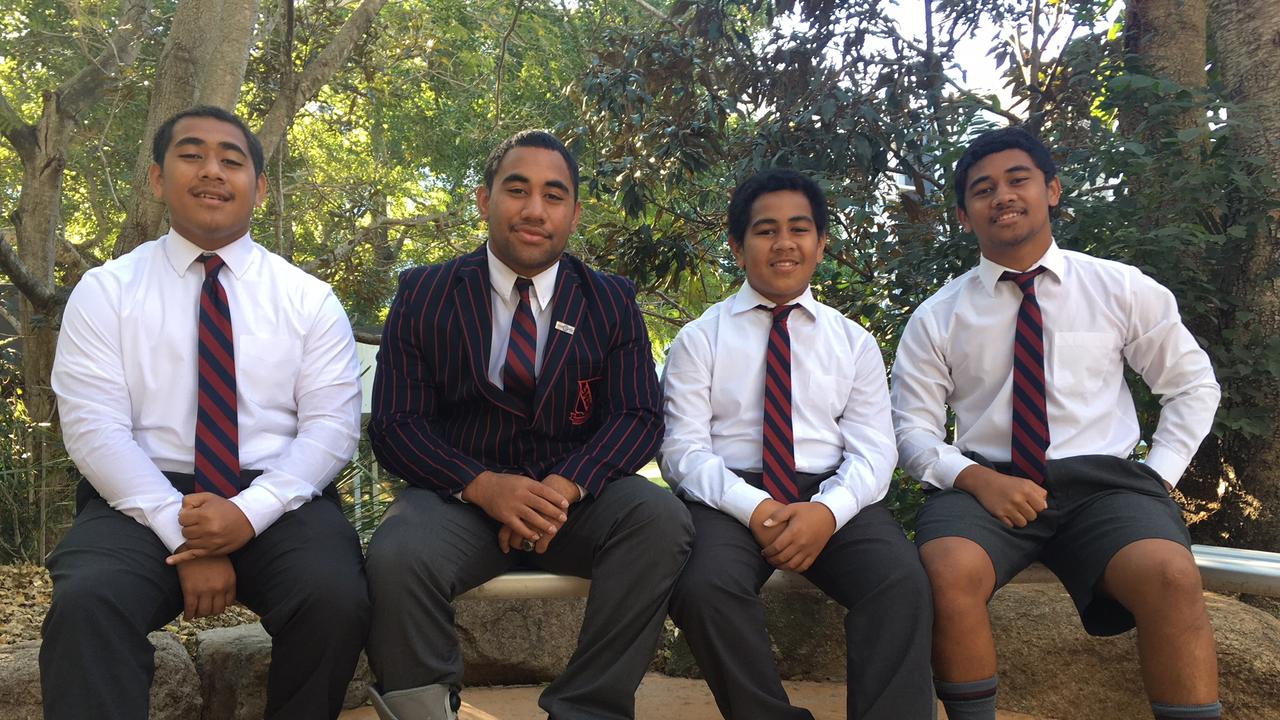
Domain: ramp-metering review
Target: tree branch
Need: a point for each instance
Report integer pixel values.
(39, 293)
(14, 323)
(316, 75)
(368, 337)
(502, 60)
(671, 301)
(20, 134)
(342, 252)
(80, 91)
(659, 316)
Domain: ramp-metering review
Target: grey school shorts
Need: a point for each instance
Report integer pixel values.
(1098, 504)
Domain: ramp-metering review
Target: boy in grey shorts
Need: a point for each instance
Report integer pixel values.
(1028, 350)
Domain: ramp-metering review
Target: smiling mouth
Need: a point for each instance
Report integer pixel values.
(1006, 216)
(215, 197)
(785, 264)
(531, 233)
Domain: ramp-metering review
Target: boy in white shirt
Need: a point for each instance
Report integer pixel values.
(1028, 350)
(779, 438)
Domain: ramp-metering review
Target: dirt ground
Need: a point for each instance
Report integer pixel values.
(659, 697)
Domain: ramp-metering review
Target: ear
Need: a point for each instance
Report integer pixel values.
(261, 190)
(963, 217)
(1054, 188)
(482, 200)
(739, 252)
(155, 176)
(577, 215)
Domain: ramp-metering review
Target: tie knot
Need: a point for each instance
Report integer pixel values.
(1026, 280)
(212, 264)
(779, 312)
(522, 287)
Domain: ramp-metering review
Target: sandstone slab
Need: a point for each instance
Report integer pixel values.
(172, 696)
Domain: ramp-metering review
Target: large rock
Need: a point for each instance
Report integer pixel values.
(172, 696)
(1050, 667)
(512, 642)
(233, 664)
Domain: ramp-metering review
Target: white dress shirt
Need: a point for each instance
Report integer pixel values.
(957, 350)
(713, 401)
(126, 379)
(504, 298)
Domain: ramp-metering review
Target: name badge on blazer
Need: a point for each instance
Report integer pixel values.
(565, 327)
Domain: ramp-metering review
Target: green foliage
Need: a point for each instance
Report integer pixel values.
(30, 458)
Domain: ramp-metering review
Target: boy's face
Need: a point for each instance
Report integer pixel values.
(531, 210)
(781, 247)
(208, 182)
(1007, 206)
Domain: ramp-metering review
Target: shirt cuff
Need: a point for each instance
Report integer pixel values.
(1168, 464)
(166, 526)
(741, 500)
(259, 506)
(842, 504)
(944, 472)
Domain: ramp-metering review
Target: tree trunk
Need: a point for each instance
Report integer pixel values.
(1247, 41)
(203, 63)
(42, 149)
(1167, 40)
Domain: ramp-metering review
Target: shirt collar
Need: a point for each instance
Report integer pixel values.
(748, 299)
(503, 280)
(989, 272)
(182, 253)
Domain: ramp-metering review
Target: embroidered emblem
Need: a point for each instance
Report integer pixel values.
(582, 406)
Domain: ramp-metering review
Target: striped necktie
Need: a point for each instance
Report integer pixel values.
(1030, 437)
(217, 430)
(517, 373)
(778, 457)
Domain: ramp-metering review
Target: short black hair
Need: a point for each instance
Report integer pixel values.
(994, 141)
(164, 134)
(530, 138)
(744, 196)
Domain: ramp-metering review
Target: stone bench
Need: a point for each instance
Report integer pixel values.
(521, 628)
(1222, 569)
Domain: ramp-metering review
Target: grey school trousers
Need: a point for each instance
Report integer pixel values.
(868, 566)
(631, 540)
(111, 587)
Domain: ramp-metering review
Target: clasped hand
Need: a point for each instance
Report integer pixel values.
(528, 510)
(792, 536)
(212, 525)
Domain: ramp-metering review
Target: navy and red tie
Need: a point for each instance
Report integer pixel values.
(1030, 438)
(778, 462)
(518, 374)
(217, 429)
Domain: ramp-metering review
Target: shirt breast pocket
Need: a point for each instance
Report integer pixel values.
(1083, 361)
(267, 368)
(826, 393)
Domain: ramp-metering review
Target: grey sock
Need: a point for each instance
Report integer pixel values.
(974, 700)
(1163, 711)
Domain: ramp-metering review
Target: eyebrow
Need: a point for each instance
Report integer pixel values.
(1007, 171)
(516, 177)
(224, 144)
(794, 218)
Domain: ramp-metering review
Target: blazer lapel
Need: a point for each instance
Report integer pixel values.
(565, 317)
(475, 317)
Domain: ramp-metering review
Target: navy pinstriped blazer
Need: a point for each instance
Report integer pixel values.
(438, 421)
